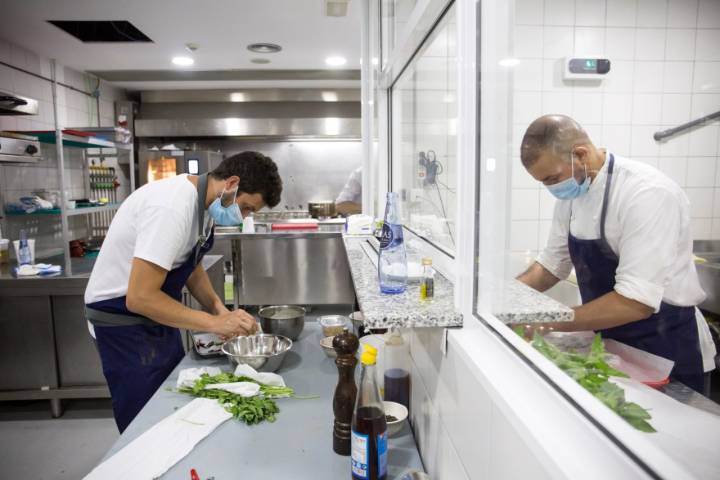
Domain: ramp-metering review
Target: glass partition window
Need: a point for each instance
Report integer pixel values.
(395, 15)
(423, 138)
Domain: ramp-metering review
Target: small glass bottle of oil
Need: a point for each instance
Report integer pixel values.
(427, 284)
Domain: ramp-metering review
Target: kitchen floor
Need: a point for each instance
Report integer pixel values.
(35, 446)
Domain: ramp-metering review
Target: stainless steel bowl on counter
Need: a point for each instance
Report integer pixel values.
(263, 352)
(286, 320)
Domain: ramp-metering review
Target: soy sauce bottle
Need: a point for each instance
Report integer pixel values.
(369, 428)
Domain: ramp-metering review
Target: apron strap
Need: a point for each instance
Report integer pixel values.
(202, 193)
(606, 196)
(104, 319)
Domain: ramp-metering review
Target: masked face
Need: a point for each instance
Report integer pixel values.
(570, 188)
(224, 210)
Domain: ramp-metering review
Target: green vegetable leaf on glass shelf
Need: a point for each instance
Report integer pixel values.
(592, 372)
(249, 410)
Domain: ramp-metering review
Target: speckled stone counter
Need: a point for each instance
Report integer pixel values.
(518, 303)
(402, 310)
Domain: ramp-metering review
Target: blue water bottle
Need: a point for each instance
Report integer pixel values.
(392, 262)
(24, 256)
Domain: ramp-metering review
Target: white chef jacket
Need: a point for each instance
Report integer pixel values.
(647, 226)
(352, 191)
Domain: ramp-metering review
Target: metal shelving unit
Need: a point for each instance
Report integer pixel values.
(98, 217)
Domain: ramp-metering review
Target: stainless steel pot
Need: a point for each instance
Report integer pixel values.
(322, 209)
(287, 320)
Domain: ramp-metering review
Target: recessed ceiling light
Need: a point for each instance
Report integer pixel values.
(183, 61)
(335, 61)
(260, 61)
(264, 47)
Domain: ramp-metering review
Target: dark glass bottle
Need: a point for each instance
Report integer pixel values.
(369, 428)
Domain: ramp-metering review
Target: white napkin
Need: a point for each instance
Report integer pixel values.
(266, 378)
(37, 269)
(244, 389)
(187, 377)
(153, 453)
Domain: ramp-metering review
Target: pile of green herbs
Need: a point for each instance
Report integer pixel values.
(250, 410)
(592, 373)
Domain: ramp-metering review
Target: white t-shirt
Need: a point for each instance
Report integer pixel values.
(352, 191)
(647, 227)
(157, 223)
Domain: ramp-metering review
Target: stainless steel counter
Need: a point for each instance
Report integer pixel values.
(688, 396)
(59, 284)
(48, 352)
(297, 445)
(306, 267)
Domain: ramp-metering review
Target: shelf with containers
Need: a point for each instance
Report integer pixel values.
(85, 166)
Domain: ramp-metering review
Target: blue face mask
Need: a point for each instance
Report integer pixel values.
(229, 216)
(570, 188)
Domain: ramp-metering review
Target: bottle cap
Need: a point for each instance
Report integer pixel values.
(427, 261)
(369, 355)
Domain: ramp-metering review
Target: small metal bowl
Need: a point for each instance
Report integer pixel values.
(327, 346)
(285, 320)
(263, 352)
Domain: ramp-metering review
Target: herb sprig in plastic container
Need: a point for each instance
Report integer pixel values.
(592, 372)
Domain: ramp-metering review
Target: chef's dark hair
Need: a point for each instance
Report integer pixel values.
(557, 134)
(258, 174)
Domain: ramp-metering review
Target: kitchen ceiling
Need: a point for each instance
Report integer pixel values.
(221, 29)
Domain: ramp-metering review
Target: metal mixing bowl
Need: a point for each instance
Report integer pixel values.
(286, 320)
(263, 352)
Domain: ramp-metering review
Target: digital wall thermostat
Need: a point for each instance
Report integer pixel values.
(585, 68)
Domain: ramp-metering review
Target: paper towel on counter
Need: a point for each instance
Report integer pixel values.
(266, 378)
(244, 389)
(187, 377)
(153, 453)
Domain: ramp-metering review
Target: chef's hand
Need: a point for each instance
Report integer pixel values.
(235, 323)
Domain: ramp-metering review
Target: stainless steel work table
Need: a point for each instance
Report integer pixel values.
(297, 445)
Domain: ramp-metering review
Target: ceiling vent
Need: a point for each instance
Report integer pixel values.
(336, 8)
(105, 31)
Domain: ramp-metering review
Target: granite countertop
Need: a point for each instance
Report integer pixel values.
(518, 303)
(403, 310)
(512, 301)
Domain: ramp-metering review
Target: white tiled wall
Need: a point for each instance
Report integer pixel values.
(665, 70)
(75, 110)
(459, 430)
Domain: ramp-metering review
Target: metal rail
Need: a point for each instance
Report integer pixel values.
(663, 134)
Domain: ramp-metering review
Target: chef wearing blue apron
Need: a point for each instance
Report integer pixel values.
(625, 229)
(154, 248)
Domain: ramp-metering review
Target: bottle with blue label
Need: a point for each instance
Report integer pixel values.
(368, 438)
(392, 262)
(24, 256)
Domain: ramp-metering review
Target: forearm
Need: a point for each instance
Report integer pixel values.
(203, 291)
(158, 306)
(538, 277)
(610, 310)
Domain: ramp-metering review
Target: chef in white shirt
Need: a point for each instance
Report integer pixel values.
(625, 228)
(349, 202)
(153, 249)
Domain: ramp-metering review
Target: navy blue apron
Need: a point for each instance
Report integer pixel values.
(671, 333)
(137, 353)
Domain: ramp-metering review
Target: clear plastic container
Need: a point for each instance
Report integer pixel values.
(333, 324)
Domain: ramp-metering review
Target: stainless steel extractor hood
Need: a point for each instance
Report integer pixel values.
(258, 113)
(11, 104)
(16, 148)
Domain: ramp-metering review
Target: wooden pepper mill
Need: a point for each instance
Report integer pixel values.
(345, 345)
